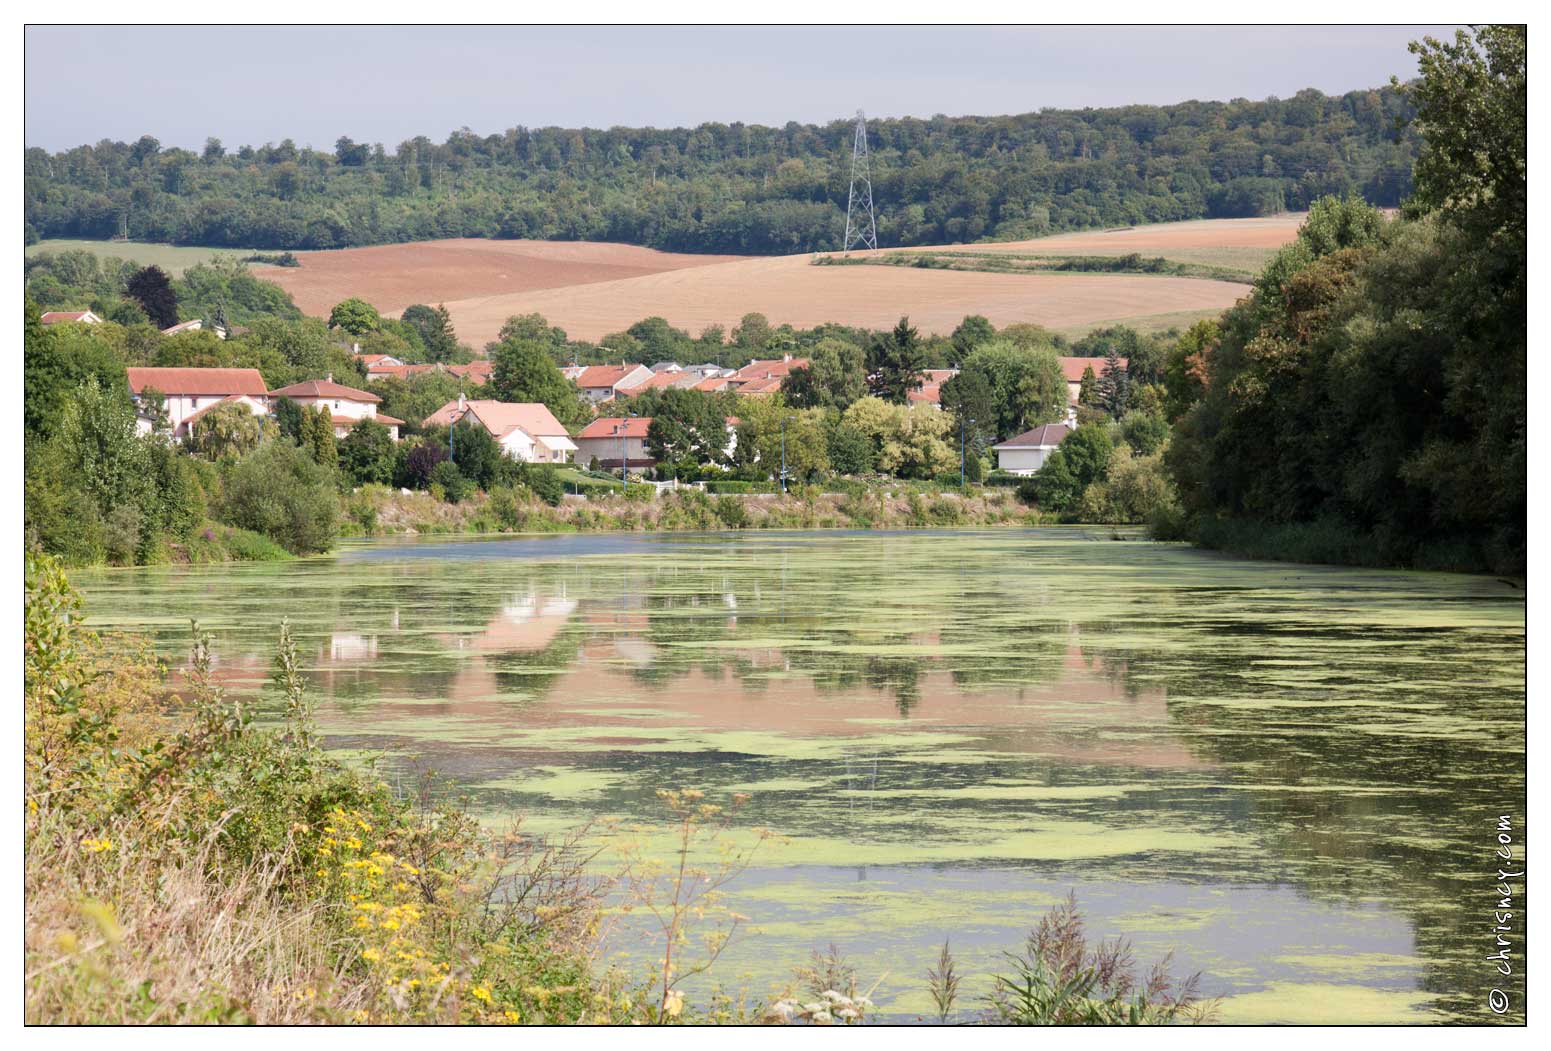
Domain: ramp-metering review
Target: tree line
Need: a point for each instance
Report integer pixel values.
(740, 188)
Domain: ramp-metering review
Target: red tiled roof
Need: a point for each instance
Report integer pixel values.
(608, 427)
(384, 418)
(502, 417)
(49, 317)
(765, 385)
(1074, 367)
(658, 379)
(758, 370)
(194, 325)
(1043, 437)
(201, 382)
(479, 371)
(714, 383)
(930, 393)
(604, 375)
(323, 389)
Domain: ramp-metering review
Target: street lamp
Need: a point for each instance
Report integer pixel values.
(961, 452)
(624, 454)
(784, 420)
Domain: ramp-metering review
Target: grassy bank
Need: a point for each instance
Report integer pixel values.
(386, 512)
(185, 865)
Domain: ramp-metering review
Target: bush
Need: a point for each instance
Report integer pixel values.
(455, 488)
(731, 512)
(544, 481)
(507, 510)
(280, 493)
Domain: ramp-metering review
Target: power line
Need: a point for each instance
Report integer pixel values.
(861, 230)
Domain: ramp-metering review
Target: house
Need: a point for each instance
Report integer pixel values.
(346, 406)
(526, 431)
(1073, 369)
(1028, 452)
(476, 372)
(667, 366)
(658, 381)
(714, 384)
(609, 438)
(929, 391)
(55, 317)
(764, 377)
(602, 382)
(195, 325)
(186, 391)
(369, 360)
(707, 370)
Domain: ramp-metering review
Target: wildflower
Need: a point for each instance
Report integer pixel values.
(513, 1017)
(360, 1016)
(479, 992)
(673, 1003)
(97, 846)
(371, 954)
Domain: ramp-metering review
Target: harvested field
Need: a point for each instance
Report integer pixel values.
(592, 289)
(392, 277)
(790, 289)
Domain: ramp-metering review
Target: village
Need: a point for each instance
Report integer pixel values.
(178, 400)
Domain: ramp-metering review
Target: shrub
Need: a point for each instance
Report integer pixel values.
(279, 492)
(453, 485)
(731, 512)
(544, 482)
(506, 509)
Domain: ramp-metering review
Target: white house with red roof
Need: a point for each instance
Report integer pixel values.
(603, 382)
(1027, 452)
(526, 431)
(187, 392)
(55, 317)
(347, 406)
(608, 439)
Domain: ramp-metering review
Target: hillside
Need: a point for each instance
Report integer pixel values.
(741, 189)
(591, 289)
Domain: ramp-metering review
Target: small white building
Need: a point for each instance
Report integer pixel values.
(1028, 452)
(187, 391)
(526, 431)
(346, 406)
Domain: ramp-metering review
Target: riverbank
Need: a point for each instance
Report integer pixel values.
(377, 511)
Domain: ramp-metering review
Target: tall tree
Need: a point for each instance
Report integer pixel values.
(152, 289)
(894, 363)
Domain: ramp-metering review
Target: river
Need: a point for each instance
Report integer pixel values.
(1290, 776)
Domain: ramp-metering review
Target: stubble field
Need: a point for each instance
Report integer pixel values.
(592, 289)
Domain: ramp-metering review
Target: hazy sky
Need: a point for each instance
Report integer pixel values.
(257, 85)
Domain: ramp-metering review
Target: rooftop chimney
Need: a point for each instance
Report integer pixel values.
(331, 378)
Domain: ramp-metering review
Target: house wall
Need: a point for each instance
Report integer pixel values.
(607, 450)
(1022, 461)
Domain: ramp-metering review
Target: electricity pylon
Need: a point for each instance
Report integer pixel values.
(861, 226)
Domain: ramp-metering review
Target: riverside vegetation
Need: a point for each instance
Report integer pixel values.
(185, 865)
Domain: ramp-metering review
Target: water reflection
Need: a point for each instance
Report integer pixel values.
(1280, 771)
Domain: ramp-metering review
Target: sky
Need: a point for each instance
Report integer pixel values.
(252, 85)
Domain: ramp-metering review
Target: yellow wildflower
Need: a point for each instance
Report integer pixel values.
(371, 954)
(513, 1017)
(479, 992)
(97, 846)
(360, 1016)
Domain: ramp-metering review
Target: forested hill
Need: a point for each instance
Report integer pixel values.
(741, 188)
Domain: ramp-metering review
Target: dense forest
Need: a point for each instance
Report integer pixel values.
(742, 188)
(1367, 402)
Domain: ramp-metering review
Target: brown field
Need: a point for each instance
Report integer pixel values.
(392, 277)
(591, 289)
